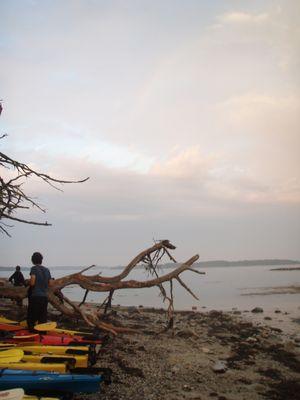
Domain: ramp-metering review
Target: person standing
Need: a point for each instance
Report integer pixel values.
(40, 280)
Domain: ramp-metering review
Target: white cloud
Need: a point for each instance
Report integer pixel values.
(271, 114)
(190, 163)
(242, 17)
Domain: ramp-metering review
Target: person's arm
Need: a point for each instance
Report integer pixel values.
(32, 280)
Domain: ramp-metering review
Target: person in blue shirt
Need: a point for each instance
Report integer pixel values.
(40, 280)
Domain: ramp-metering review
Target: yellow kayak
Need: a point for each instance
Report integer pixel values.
(28, 397)
(57, 367)
(72, 359)
(11, 356)
(40, 349)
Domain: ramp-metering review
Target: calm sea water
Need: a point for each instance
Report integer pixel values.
(221, 288)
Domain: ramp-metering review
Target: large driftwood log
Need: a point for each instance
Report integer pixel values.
(149, 258)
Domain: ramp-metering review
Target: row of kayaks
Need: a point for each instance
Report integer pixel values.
(46, 336)
(50, 360)
(43, 360)
(47, 358)
(9, 325)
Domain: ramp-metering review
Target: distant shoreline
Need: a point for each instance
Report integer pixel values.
(203, 264)
(286, 269)
(291, 289)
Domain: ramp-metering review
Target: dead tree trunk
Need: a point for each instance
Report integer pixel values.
(150, 260)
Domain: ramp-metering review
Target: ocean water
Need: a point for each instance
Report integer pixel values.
(221, 288)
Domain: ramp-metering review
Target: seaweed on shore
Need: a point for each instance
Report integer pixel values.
(283, 390)
(284, 357)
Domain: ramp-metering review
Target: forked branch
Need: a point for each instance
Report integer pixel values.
(147, 259)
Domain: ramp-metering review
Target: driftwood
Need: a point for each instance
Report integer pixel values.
(150, 259)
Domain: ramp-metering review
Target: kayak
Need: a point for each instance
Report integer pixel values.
(9, 327)
(73, 360)
(49, 382)
(88, 351)
(52, 340)
(81, 356)
(39, 349)
(34, 366)
(11, 356)
(12, 394)
(14, 359)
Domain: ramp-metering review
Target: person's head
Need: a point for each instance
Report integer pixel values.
(18, 268)
(37, 258)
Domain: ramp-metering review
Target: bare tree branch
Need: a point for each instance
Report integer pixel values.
(109, 285)
(12, 197)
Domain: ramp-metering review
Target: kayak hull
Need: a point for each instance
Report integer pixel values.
(74, 360)
(42, 381)
(88, 351)
(50, 340)
(35, 366)
(40, 349)
(10, 328)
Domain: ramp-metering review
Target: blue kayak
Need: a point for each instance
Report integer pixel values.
(44, 381)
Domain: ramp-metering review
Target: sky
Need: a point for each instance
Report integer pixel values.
(184, 114)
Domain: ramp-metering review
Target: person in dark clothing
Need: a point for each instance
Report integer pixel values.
(17, 278)
(40, 280)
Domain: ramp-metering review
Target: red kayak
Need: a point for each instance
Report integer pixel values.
(50, 340)
(10, 328)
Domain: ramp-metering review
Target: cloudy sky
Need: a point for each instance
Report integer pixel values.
(184, 114)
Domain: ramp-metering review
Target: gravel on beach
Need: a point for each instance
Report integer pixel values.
(211, 355)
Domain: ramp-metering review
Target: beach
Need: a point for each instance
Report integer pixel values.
(224, 355)
(215, 354)
(250, 351)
